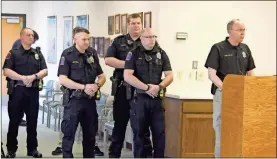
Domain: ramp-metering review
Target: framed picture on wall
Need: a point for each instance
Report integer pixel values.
(91, 42)
(101, 46)
(106, 45)
(96, 44)
(123, 23)
(117, 24)
(111, 25)
(141, 15)
(52, 39)
(67, 31)
(82, 21)
(147, 20)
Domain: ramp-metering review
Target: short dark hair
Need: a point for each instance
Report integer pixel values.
(133, 16)
(79, 30)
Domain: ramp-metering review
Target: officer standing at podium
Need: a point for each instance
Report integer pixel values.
(143, 70)
(78, 69)
(25, 67)
(230, 56)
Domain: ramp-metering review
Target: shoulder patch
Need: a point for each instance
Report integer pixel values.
(62, 61)
(8, 55)
(129, 56)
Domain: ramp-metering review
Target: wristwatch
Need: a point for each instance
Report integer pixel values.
(148, 87)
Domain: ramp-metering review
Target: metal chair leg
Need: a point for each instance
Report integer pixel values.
(43, 109)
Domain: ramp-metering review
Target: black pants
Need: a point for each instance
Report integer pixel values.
(9, 103)
(83, 111)
(146, 111)
(23, 100)
(121, 115)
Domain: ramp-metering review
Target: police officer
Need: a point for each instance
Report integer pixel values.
(16, 44)
(78, 69)
(115, 58)
(230, 56)
(26, 67)
(143, 70)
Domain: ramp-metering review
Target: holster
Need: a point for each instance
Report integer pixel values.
(38, 84)
(66, 95)
(10, 86)
(128, 90)
(114, 85)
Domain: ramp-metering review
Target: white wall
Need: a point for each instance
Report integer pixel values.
(42, 9)
(19, 7)
(205, 23)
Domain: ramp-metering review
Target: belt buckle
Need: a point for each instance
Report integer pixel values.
(78, 91)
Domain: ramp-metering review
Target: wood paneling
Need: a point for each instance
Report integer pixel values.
(189, 131)
(249, 117)
(198, 135)
(173, 127)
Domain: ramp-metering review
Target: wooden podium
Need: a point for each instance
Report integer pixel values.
(248, 116)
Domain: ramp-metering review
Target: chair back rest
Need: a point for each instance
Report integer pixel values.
(48, 87)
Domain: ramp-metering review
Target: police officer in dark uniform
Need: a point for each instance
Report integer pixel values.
(143, 70)
(115, 58)
(230, 56)
(17, 44)
(79, 67)
(26, 68)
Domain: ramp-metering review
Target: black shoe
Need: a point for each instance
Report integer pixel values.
(11, 155)
(97, 151)
(23, 123)
(35, 154)
(57, 151)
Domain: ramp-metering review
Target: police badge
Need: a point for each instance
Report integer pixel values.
(244, 54)
(90, 60)
(159, 55)
(36, 56)
(129, 42)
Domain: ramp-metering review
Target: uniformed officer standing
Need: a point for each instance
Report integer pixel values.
(25, 67)
(143, 70)
(115, 58)
(17, 44)
(230, 56)
(79, 67)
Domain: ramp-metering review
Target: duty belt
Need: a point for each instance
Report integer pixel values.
(19, 83)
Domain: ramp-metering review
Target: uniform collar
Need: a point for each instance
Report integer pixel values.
(130, 40)
(22, 50)
(155, 49)
(77, 51)
(230, 45)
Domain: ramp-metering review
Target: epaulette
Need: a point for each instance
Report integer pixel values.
(68, 50)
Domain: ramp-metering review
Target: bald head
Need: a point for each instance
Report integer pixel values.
(148, 38)
(146, 31)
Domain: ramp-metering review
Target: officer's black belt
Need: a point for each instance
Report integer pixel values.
(19, 83)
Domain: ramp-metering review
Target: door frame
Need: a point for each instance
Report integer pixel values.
(16, 15)
(24, 26)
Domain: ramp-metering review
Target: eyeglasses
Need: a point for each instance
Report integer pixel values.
(150, 37)
(240, 30)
